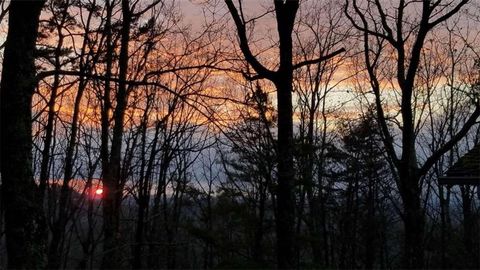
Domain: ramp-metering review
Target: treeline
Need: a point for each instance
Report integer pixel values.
(281, 134)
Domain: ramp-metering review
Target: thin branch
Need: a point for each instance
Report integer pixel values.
(318, 60)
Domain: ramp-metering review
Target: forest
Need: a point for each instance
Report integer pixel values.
(239, 134)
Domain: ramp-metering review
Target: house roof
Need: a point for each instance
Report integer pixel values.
(466, 171)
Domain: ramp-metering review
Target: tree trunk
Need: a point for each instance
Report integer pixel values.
(285, 218)
(371, 225)
(414, 220)
(153, 260)
(24, 220)
(113, 191)
(471, 255)
(445, 224)
(258, 254)
(144, 193)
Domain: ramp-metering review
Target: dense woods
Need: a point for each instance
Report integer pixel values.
(163, 134)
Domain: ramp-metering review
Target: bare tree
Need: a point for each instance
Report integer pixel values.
(321, 30)
(401, 30)
(24, 221)
(282, 78)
